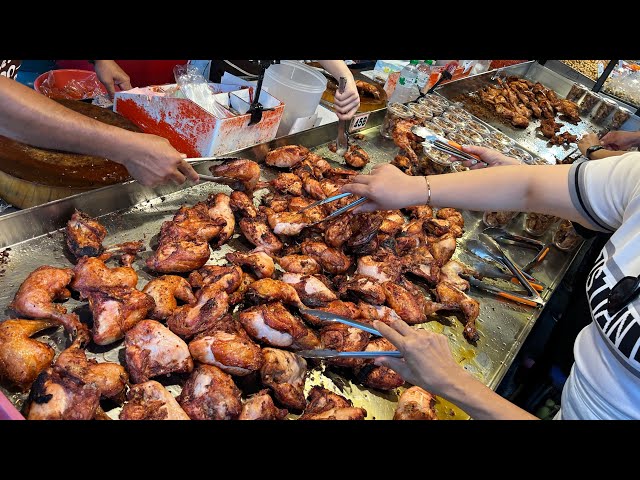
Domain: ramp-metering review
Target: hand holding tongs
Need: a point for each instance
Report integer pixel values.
(332, 317)
(211, 178)
(339, 211)
(443, 144)
(342, 144)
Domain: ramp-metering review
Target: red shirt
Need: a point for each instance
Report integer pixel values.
(142, 72)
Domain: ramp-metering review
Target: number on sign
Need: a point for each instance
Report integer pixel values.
(358, 122)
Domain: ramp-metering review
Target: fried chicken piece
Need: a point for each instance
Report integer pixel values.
(276, 202)
(210, 394)
(165, 291)
(453, 216)
(451, 271)
(284, 373)
(403, 163)
(286, 157)
(21, 357)
(151, 401)
(127, 251)
(345, 309)
(369, 313)
(356, 157)
(516, 119)
(258, 233)
(313, 165)
(115, 310)
(269, 290)
(84, 235)
(286, 223)
(151, 349)
(443, 248)
(311, 289)
(275, 326)
(562, 138)
(288, 184)
(404, 138)
(363, 229)
(453, 298)
(36, 296)
(226, 278)
(366, 89)
(340, 337)
(381, 267)
(189, 320)
(232, 353)
(330, 259)
(311, 185)
(246, 172)
(330, 187)
(364, 288)
(303, 264)
(238, 296)
(373, 376)
(312, 215)
(549, 127)
(241, 204)
(406, 244)
(416, 404)
(261, 407)
(192, 223)
(392, 223)
(439, 227)
(567, 108)
(179, 256)
(259, 262)
(410, 307)
(338, 230)
(55, 395)
(326, 405)
(220, 208)
(421, 263)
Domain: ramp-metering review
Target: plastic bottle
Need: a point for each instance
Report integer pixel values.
(424, 71)
(406, 90)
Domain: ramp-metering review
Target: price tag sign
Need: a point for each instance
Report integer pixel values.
(358, 122)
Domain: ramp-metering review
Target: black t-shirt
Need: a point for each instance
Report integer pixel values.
(9, 68)
(238, 68)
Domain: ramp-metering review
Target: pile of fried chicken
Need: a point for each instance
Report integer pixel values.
(222, 330)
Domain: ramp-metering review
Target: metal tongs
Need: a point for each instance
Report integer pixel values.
(342, 144)
(503, 236)
(212, 178)
(332, 317)
(339, 211)
(443, 144)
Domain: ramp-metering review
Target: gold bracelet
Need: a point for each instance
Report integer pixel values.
(426, 179)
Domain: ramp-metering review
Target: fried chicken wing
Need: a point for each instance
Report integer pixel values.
(311, 289)
(340, 337)
(36, 296)
(261, 407)
(226, 278)
(567, 108)
(454, 299)
(151, 401)
(232, 353)
(404, 138)
(326, 405)
(286, 157)
(22, 358)
(189, 320)
(416, 404)
(284, 373)
(210, 394)
(246, 172)
(373, 376)
(115, 310)
(303, 264)
(356, 157)
(84, 235)
(166, 291)
(151, 349)
(330, 259)
(269, 290)
(220, 209)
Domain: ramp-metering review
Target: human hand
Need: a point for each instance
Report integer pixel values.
(488, 158)
(387, 188)
(153, 161)
(110, 74)
(426, 357)
(346, 103)
(621, 140)
(586, 141)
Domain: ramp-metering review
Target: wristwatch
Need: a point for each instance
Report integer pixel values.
(591, 149)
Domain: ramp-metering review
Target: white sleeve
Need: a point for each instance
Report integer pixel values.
(601, 190)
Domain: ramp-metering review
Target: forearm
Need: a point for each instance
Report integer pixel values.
(34, 119)
(603, 153)
(480, 402)
(337, 68)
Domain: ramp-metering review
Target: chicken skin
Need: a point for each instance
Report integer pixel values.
(36, 296)
(189, 320)
(416, 404)
(288, 224)
(326, 405)
(420, 211)
(232, 353)
(242, 205)
(259, 262)
(92, 274)
(179, 256)
(21, 357)
(340, 337)
(373, 376)
(330, 259)
(442, 249)
(338, 231)
(84, 235)
(356, 157)
(287, 156)
(454, 299)
(238, 296)
(409, 302)
(361, 287)
(151, 401)
(258, 233)
(284, 373)
(165, 291)
(246, 172)
(269, 290)
(261, 407)
(370, 313)
(421, 263)
(303, 264)
(450, 273)
(151, 349)
(220, 208)
(210, 394)
(311, 289)
(380, 267)
(273, 325)
(115, 310)
(288, 184)
(225, 278)
(345, 309)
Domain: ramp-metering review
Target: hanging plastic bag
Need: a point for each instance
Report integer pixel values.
(196, 88)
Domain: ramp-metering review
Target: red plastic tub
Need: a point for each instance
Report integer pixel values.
(69, 83)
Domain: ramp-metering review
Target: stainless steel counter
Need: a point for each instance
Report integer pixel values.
(132, 212)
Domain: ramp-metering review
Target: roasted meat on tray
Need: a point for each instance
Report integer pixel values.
(260, 406)
(166, 291)
(416, 404)
(284, 373)
(210, 394)
(84, 235)
(246, 172)
(326, 405)
(151, 401)
(232, 352)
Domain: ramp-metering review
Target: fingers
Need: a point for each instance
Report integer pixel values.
(367, 207)
(402, 327)
(396, 364)
(188, 171)
(390, 334)
(111, 89)
(356, 188)
(177, 177)
(124, 84)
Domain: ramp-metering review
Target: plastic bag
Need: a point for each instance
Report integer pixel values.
(4, 205)
(196, 88)
(72, 90)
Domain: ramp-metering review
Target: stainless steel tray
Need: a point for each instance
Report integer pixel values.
(131, 212)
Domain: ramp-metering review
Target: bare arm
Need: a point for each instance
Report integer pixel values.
(346, 103)
(31, 118)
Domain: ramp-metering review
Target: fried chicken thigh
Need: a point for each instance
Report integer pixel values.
(92, 274)
(261, 407)
(189, 320)
(415, 404)
(345, 309)
(232, 353)
(381, 267)
(326, 405)
(288, 184)
(259, 262)
(220, 209)
(151, 401)
(210, 394)
(242, 205)
(284, 373)
(340, 337)
(84, 235)
(258, 233)
(151, 349)
(454, 299)
(225, 278)
(288, 224)
(330, 259)
(287, 156)
(356, 157)
(312, 290)
(303, 264)
(363, 288)
(165, 291)
(269, 290)
(246, 172)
